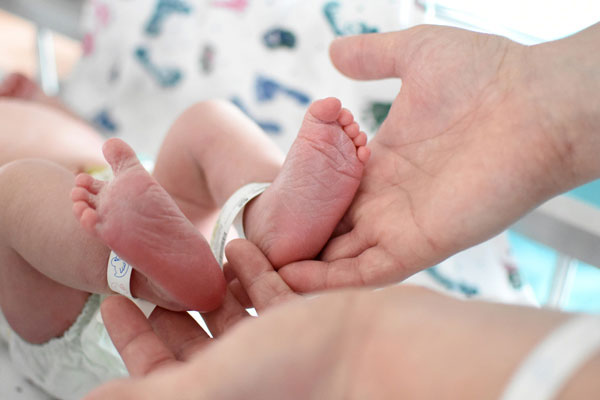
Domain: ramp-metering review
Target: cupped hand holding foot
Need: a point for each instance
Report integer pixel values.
(482, 131)
(169, 354)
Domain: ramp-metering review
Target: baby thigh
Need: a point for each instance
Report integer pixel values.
(48, 264)
(34, 130)
(210, 151)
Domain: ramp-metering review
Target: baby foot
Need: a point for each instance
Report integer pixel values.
(133, 215)
(293, 219)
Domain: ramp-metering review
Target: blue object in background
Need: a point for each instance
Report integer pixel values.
(537, 263)
(278, 37)
(331, 12)
(589, 193)
(164, 76)
(450, 283)
(585, 296)
(163, 9)
(267, 89)
(105, 122)
(271, 127)
(587, 279)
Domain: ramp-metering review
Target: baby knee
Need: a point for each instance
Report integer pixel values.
(13, 170)
(210, 107)
(29, 175)
(27, 168)
(209, 110)
(201, 122)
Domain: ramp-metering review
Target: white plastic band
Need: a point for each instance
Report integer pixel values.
(232, 210)
(552, 363)
(118, 275)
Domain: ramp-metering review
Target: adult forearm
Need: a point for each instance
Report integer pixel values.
(426, 345)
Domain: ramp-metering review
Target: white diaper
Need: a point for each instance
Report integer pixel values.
(70, 366)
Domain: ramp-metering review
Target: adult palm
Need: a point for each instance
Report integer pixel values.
(458, 158)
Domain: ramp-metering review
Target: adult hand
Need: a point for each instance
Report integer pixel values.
(400, 342)
(482, 131)
(292, 352)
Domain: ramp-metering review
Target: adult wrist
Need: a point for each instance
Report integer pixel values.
(565, 86)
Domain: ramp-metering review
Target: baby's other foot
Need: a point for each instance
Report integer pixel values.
(293, 219)
(134, 216)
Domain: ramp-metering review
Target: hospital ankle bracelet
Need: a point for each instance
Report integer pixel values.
(232, 214)
(118, 276)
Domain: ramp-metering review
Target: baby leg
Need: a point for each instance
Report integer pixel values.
(46, 260)
(48, 264)
(33, 130)
(213, 149)
(138, 219)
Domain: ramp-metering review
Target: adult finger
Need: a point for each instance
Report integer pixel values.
(229, 314)
(371, 56)
(347, 245)
(240, 293)
(179, 332)
(261, 282)
(236, 288)
(228, 272)
(141, 349)
(373, 267)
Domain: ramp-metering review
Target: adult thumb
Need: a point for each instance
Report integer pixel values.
(371, 56)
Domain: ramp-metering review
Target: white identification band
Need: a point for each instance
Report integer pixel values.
(118, 275)
(232, 214)
(553, 362)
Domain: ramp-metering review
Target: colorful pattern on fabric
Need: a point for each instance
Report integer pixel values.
(149, 60)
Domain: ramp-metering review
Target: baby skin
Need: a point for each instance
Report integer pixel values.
(292, 220)
(21, 87)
